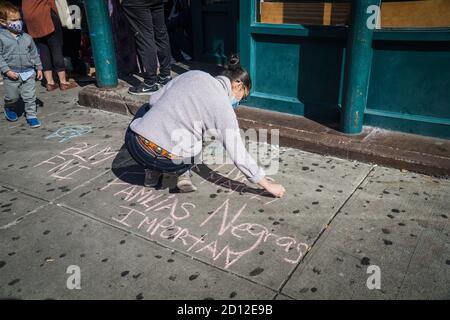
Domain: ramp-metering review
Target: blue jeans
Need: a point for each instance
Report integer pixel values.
(149, 160)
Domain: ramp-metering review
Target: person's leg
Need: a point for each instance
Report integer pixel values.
(152, 177)
(46, 59)
(141, 23)
(62, 77)
(55, 43)
(28, 94)
(48, 75)
(161, 38)
(181, 172)
(11, 88)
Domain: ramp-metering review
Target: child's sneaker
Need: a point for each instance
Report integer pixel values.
(34, 122)
(10, 115)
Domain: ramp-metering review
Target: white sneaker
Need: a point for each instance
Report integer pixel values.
(184, 183)
(151, 178)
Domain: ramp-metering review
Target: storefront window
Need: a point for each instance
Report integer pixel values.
(394, 13)
(415, 14)
(306, 12)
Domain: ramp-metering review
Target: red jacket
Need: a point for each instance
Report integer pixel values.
(37, 17)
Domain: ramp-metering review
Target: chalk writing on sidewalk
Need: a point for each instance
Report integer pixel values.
(223, 235)
(71, 161)
(234, 183)
(70, 132)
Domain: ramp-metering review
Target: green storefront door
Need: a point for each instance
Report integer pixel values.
(215, 24)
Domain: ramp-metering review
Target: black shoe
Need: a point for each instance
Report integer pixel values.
(143, 89)
(164, 80)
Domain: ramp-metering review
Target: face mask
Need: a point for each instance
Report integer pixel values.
(234, 102)
(15, 26)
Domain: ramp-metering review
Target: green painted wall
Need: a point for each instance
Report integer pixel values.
(410, 87)
(295, 69)
(300, 70)
(299, 75)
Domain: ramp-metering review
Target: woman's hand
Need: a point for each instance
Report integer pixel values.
(39, 75)
(277, 190)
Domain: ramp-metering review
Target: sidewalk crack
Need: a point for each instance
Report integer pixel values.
(326, 227)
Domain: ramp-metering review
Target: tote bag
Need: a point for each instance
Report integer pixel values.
(64, 13)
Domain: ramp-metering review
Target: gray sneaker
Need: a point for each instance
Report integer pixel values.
(151, 178)
(184, 183)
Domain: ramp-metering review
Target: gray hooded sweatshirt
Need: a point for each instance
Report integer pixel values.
(189, 106)
(18, 54)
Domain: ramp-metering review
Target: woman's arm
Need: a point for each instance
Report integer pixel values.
(228, 132)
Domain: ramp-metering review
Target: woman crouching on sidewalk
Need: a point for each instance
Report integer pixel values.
(187, 107)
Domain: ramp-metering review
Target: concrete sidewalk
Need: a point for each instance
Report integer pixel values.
(71, 196)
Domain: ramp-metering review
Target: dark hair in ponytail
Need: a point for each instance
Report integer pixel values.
(234, 71)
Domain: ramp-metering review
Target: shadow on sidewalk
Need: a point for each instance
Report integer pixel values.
(224, 182)
(133, 173)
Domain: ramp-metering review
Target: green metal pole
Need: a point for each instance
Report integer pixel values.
(102, 43)
(358, 66)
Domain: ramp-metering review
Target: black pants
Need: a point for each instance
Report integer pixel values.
(146, 19)
(51, 48)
